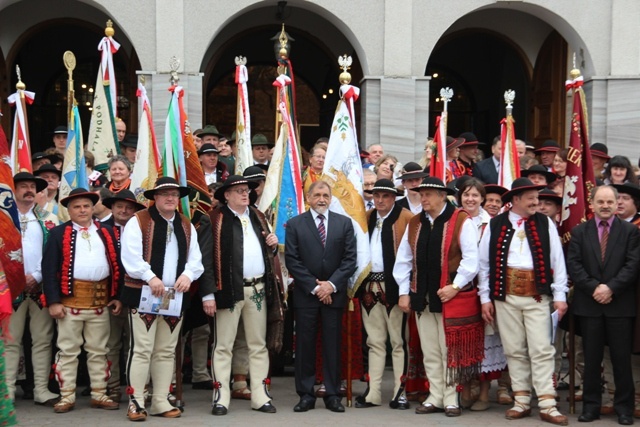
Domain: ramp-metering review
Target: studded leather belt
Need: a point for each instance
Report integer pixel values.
(87, 294)
(521, 283)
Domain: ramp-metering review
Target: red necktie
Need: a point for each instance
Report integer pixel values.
(604, 239)
(322, 231)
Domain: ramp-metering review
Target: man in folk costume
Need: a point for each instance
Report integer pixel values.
(82, 275)
(35, 224)
(522, 271)
(244, 274)
(381, 315)
(453, 151)
(123, 205)
(214, 171)
(159, 249)
(442, 294)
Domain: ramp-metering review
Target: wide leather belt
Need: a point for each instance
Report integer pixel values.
(253, 280)
(87, 294)
(521, 283)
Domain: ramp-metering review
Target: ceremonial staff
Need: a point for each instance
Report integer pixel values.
(20, 144)
(509, 163)
(438, 166)
(69, 60)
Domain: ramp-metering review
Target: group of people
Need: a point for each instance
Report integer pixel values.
(466, 277)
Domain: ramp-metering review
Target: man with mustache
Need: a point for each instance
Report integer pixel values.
(320, 253)
(522, 270)
(603, 259)
(35, 224)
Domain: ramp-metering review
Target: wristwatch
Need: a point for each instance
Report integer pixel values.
(456, 287)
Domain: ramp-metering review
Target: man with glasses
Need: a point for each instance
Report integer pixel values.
(245, 282)
(159, 250)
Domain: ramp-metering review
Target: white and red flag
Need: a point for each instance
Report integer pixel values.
(20, 144)
(509, 161)
(244, 156)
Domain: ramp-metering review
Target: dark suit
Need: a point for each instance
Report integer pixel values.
(486, 171)
(611, 323)
(307, 260)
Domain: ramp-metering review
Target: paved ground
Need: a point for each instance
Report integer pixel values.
(198, 413)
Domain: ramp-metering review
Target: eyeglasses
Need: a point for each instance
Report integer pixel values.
(241, 191)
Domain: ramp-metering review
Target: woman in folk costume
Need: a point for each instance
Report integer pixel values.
(471, 195)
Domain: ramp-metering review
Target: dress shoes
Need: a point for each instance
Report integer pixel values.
(304, 405)
(361, 402)
(452, 411)
(400, 403)
(106, 403)
(202, 385)
(267, 408)
(174, 413)
(625, 420)
(334, 405)
(428, 408)
(218, 410)
(587, 417)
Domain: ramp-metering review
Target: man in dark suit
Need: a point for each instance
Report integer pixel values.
(603, 262)
(320, 254)
(487, 170)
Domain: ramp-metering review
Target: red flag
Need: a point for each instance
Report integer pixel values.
(579, 179)
(438, 165)
(10, 240)
(509, 162)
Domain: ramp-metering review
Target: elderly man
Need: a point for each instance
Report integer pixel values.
(123, 205)
(210, 135)
(381, 315)
(487, 170)
(160, 251)
(605, 276)
(121, 129)
(435, 266)
(522, 271)
(35, 224)
(49, 198)
(244, 273)
(82, 275)
(320, 255)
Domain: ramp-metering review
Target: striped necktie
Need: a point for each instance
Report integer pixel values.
(604, 239)
(322, 231)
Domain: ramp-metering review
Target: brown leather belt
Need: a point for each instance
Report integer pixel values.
(87, 294)
(253, 280)
(521, 283)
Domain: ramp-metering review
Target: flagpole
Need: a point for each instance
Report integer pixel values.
(69, 60)
(21, 87)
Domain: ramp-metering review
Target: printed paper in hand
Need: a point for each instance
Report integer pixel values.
(168, 304)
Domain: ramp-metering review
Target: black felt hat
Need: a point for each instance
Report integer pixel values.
(519, 186)
(433, 183)
(78, 193)
(41, 184)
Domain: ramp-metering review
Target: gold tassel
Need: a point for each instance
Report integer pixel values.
(351, 307)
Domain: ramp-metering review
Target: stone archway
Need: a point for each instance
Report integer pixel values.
(314, 59)
(39, 49)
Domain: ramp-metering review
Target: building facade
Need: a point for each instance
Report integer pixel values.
(404, 51)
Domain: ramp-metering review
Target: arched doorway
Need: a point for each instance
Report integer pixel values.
(314, 58)
(39, 50)
(484, 57)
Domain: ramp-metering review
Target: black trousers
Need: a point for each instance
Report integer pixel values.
(305, 363)
(617, 333)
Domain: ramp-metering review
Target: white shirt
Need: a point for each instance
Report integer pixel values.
(377, 263)
(467, 269)
(519, 256)
(252, 256)
(480, 220)
(415, 209)
(138, 268)
(211, 177)
(326, 229)
(32, 241)
(90, 262)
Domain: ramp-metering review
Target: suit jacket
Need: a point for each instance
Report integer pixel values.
(619, 270)
(486, 171)
(307, 260)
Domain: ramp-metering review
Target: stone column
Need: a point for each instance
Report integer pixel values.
(395, 114)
